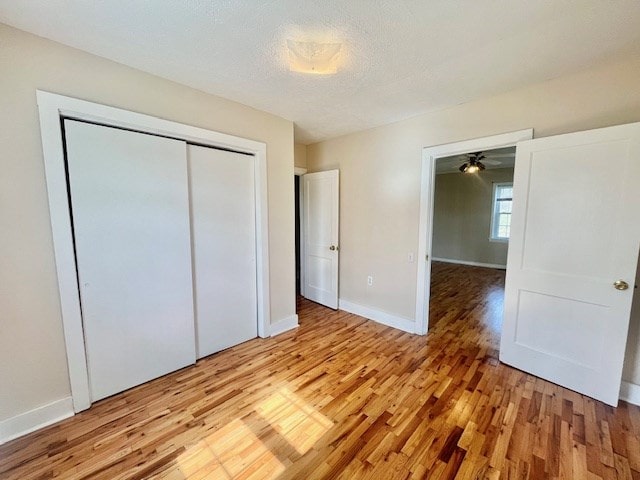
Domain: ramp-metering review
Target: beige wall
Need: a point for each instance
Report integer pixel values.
(462, 217)
(300, 155)
(380, 173)
(33, 368)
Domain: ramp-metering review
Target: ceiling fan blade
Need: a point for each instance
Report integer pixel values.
(463, 167)
(500, 155)
(491, 162)
(480, 165)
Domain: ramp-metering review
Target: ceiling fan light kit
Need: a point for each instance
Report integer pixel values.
(474, 164)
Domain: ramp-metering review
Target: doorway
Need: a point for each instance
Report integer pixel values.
(448, 156)
(296, 190)
(472, 202)
(573, 251)
(299, 239)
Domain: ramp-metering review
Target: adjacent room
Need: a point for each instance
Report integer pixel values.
(472, 205)
(319, 240)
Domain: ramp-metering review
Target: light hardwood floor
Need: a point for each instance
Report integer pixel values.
(343, 397)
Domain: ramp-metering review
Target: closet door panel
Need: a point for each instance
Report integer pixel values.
(130, 209)
(224, 247)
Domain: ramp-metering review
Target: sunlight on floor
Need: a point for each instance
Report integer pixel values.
(260, 444)
(298, 422)
(227, 452)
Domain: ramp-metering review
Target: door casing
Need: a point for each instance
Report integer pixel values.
(425, 231)
(299, 172)
(52, 108)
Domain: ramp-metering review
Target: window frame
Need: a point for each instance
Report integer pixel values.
(493, 227)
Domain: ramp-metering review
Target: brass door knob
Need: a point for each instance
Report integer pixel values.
(620, 285)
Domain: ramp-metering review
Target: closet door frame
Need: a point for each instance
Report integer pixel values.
(53, 108)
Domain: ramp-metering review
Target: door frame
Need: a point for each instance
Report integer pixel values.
(52, 109)
(425, 230)
(299, 172)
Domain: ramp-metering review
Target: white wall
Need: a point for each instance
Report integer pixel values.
(380, 174)
(33, 366)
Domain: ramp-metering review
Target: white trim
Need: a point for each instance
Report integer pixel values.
(473, 264)
(378, 316)
(51, 108)
(425, 233)
(630, 392)
(284, 325)
(299, 172)
(301, 239)
(35, 419)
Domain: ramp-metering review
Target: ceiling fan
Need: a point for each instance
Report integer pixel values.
(476, 162)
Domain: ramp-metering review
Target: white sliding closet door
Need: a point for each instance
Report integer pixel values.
(224, 247)
(130, 208)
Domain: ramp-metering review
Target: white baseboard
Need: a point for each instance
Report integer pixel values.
(379, 316)
(35, 419)
(284, 325)
(630, 392)
(473, 264)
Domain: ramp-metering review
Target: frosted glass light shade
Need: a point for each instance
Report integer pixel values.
(311, 57)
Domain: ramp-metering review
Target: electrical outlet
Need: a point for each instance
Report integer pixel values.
(370, 280)
(410, 257)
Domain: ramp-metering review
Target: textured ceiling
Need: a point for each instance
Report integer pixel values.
(400, 58)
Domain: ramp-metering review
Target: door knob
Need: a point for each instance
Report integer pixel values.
(333, 247)
(620, 285)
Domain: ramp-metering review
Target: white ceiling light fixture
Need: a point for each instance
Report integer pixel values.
(312, 57)
(400, 51)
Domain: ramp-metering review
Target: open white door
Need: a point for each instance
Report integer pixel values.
(573, 253)
(321, 254)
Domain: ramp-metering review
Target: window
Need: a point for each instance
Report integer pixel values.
(501, 215)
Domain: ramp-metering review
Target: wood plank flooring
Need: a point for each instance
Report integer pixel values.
(344, 397)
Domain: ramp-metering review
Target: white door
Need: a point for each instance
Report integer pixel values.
(223, 223)
(321, 253)
(130, 209)
(575, 231)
